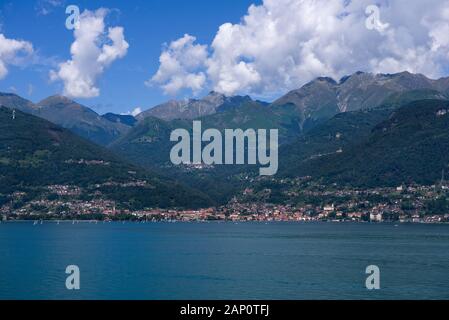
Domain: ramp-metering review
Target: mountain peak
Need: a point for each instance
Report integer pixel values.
(323, 97)
(326, 79)
(56, 100)
(214, 98)
(14, 101)
(355, 75)
(215, 93)
(80, 119)
(194, 108)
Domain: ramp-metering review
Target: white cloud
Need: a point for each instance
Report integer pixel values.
(93, 50)
(133, 113)
(178, 64)
(136, 111)
(282, 44)
(13, 52)
(45, 7)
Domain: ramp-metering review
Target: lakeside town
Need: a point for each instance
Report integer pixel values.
(403, 204)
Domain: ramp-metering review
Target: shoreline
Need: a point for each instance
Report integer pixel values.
(70, 221)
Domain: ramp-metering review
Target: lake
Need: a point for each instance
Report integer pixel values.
(223, 260)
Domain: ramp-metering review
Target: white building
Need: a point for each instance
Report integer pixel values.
(375, 217)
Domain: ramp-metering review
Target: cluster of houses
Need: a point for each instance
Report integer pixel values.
(64, 200)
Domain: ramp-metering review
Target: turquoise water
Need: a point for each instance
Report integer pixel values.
(223, 260)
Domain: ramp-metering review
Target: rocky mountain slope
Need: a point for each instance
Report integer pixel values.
(325, 97)
(193, 108)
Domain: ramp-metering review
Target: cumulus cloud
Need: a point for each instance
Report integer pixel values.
(93, 50)
(179, 63)
(13, 52)
(282, 44)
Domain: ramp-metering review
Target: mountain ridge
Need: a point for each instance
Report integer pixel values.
(410, 146)
(69, 114)
(189, 109)
(324, 97)
(36, 154)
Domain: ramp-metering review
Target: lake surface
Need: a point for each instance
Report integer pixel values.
(223, 260)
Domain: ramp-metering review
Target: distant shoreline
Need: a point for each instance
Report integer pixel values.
(69, 221)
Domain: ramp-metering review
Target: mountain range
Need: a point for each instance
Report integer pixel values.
(195, 108)
(409, 146)
(325, 97)
(71, 115)
(303, 108)
(36, 154)
(363, 130)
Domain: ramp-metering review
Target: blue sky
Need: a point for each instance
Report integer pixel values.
(147, 25)
(259, 47)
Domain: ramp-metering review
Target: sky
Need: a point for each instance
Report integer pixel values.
(148, 24)
(126, 56)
